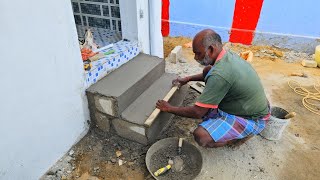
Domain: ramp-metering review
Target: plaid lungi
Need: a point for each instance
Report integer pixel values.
(225, 127)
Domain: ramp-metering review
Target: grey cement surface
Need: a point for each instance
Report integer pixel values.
(128, 82)
(102, 121)
(141, 134)
(144, 105)
(105, 105)
(119, 81)
(130, 131)
(138, 88)
(163, 120)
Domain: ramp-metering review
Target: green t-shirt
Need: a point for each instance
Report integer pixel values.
(234, 86)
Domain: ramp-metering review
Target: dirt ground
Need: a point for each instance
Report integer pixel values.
(295, 156)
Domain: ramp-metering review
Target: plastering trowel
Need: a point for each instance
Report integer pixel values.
(178, 161)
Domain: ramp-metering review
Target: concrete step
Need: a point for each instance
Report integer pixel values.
(146, 102)
(115, 92)
(131, 123)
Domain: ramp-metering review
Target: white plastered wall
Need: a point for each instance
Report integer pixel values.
(43, 109)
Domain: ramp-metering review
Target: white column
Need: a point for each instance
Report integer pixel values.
(135, 22)
(129, 23)
(156, 40)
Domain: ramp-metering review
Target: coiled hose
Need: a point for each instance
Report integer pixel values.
(308, 96)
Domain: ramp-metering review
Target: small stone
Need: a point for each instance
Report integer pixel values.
(269, 52)
(63, 177)
(113, 160)
(278, 53)
(299, 74)
(71, 152)
(59, 172)
(69, 172)
(118, 153)
(73, 168)
(309, 63)
(50, 173)
(130, 163)
(176, 53)
(96, 168)
(181, 60)
(120, 162)
(68, 159)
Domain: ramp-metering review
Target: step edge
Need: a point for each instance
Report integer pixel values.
(94, 88)
(122, 100)
(184, 90)
(124, 116)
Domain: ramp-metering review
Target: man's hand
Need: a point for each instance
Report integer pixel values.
(190, 111)
(180, 81)
(163, 105)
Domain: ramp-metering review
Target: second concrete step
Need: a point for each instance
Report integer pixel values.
(131, 123)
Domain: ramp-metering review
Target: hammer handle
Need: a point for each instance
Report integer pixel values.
(290, 115)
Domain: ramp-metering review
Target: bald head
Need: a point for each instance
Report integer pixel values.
(207, 42)
(206, 38)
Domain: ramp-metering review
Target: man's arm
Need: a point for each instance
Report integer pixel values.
(190, 111)
(198, 77)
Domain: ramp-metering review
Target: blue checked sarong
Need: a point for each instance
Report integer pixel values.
(225, 127)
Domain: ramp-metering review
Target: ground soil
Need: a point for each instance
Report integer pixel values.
(295, 156)
(172, 42)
